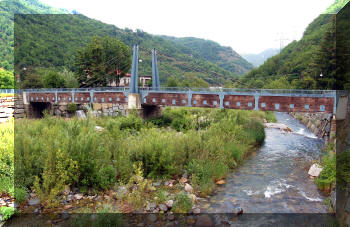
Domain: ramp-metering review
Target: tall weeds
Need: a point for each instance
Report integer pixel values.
(51, 153)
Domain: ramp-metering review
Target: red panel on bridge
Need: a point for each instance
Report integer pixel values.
(205, 100)
(42, 97)
(296, 104)
(64, 97)
(82, 97)
(244, 102)
(166, 99)
(110, 97)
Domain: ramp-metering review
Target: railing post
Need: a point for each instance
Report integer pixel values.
(256, 97)
(91, 96)
(221, 97)
(73, 94)
(189, 97)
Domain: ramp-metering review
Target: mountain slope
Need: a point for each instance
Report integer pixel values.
(300, 63)
(7, 10)
(259, 59)
(52, 41)
(211, 51)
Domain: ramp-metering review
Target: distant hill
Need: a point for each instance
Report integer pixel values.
(51, 40)
(211, 51)
(300, 64)
(259, 59)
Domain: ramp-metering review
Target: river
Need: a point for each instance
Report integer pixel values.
(275, 180)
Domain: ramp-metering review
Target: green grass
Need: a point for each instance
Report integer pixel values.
(52, 153)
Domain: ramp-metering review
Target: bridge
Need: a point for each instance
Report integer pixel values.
(314, 101)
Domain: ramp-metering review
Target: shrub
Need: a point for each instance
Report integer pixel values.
(205, 173)
(327, 176)
(72, 108)
(7, 212)
(182, 204)
(106, 177)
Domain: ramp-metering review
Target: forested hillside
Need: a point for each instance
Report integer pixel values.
(211, 51)
(7, 10)
(306, 64)
(52, 41)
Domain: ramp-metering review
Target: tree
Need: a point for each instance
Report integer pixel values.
(172, 82)
(32, 80)
(6, 79)
(70, 80)
(53, 79)
(102, 61)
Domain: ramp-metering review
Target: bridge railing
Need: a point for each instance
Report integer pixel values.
(243, 90)
(7, 91)
(77, 89)
(249, 91)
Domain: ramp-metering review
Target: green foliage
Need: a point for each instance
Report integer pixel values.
(182, 204)
(205, 172)
(7, 212)
(343, 169)
(72, 153)
(72, 107)
(33, 81)
(106, 177)
(53, 80)
(327, 177)
(102, 61)
(6, 79)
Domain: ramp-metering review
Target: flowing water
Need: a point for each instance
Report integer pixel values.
(275, 180)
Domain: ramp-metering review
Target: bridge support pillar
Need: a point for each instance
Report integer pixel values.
(134, 101)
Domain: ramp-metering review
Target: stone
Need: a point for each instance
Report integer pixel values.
(334, 200)
(188, 188)
(204, 221)
(99, 128)
(196, 210)
(122, 190)
(97, 106)
(183, 180)
(66, 190)
(315, 170)
(69, 198)
(80, 114)
(36, 211)
(220, 182)
(151, 206)
(78, 196)
(185, 175)
(193, 198)
(169, 203)
(34, 202)
(156, 184)
(163, 207)
(280, 126)
(152, 218)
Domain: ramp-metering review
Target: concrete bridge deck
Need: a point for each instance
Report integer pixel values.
(247, 99)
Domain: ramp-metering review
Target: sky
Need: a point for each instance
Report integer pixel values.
(248, 26)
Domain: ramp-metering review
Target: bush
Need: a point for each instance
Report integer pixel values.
(72, 108)
(182, 204)
(106, 177)
(7, 212)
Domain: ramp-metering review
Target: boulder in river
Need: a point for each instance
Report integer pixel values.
(279, 126)
(315, 170)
